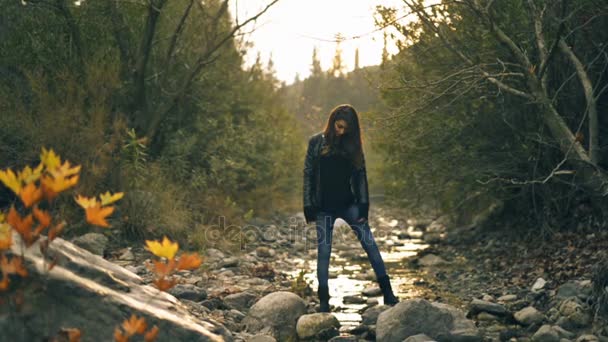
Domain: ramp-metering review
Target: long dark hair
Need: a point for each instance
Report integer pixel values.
(350, 143)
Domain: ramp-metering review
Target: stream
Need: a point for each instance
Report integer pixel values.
(350, 271)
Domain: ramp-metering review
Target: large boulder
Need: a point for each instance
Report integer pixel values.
(86, 292)
(418, 316)
(276, 314)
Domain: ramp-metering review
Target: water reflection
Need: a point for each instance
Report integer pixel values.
(350, 271)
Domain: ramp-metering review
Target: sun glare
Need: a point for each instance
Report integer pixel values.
(291, 29)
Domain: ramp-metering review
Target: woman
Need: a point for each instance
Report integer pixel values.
(335, 185)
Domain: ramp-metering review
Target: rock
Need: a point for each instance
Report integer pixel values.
(432, 238)
(353, 300)
(370, 316)
(371, 301)
(229, 262)
(214, 253)
(507, 298)
(419, 338)
(85, 291)
(418, 316)
(312, 325)
(372, 292)
(214, 304)
(567, 290)
(574, 314)
(343, 339)
(95, 243)
(127, 255)
(265, 252)
(189, 292)
(546, 333)
(277, 313)
(478, 306)
(484, 316)
(241, 301)
(539, 284)
(261, 338)
(430, 260)
(529, 316)
(587, 338)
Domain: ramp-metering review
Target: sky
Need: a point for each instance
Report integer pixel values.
(291, 29)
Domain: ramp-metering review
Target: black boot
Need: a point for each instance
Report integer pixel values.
(387, 291)
(323, 292)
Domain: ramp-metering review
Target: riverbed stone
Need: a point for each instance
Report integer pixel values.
(529, 316)
(189, 292)
(574, 314)
(370, 316)
(478, 305)
(419, 338)
(431, 260)
(353, 300)
(546, 333)
(313, 325)
(277, 314)
(241, 301)
(95, 243)
(372, 291)
(587, 338)
(419, 316)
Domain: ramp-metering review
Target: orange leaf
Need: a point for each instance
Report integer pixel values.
(74, 334)
(134, 325)
(42, 216)
(56, 230)
(119, 337)
(164, 284)
(30, 194)
(163, 269)
(53, 186)
(97, 215)
(23, 226)
(189, 262)
(151, 335)
(4, 284)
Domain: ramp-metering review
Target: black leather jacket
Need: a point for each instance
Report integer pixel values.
(312, 181)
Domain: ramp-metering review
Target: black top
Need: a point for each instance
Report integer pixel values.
(336, 170)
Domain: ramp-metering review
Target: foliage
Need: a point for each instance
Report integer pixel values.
(153, 99)
(455, 142)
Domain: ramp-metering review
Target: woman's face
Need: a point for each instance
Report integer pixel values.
(340, 127)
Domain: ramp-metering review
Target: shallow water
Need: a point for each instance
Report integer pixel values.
(350, 271)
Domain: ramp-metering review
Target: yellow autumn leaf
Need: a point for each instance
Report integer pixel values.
(65, 170)
(9, 178)
(108, 198)
(29, 175)
(86, 202)
(164, 249)
(50, 159)
(2, 218)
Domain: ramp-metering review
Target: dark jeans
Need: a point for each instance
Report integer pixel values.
(325, 227)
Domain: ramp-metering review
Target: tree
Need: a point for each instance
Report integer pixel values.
(337, 68)
(315, 69)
